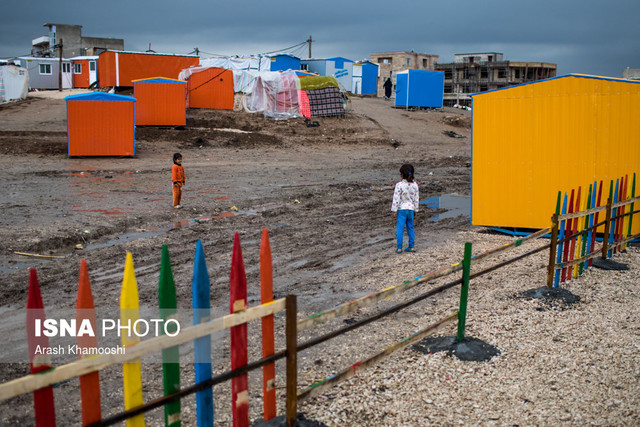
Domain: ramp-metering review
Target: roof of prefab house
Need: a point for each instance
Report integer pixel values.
(99, 96)
(150, 53)
(44, 58)
(84, 58)
(339, 58)
(284, 54)
(158, 80)
(583, 76)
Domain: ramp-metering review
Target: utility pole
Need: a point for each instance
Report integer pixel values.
(310, 47)
(197, 52)
(60, 67)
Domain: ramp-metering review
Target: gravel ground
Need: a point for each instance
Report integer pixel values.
(558, 365)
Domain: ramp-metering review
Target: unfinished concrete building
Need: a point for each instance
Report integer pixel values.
(631, 73)
(479, 72)
(73, 42)
(392, 62)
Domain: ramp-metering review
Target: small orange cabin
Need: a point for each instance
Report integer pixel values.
(210, 87)
(160, 102)
(85, 71)
(100, 124)
(116, 68)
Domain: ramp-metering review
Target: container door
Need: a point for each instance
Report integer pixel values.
(67, 75)
(93, 72)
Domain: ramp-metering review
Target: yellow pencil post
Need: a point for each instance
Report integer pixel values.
(129, 314)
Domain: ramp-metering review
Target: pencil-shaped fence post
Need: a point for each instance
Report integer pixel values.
(584, 236)
(167, 302)
(464, 291)
(561, 246)
(552, 251)
(567, 244)
(612, 227)
(595, 221)
(268, 342)
(591, 235)
(607, 227)
(239, 357)
(202, 346)
(623, 209)
(574, 242)
(39, 361)
(129, 315)
(633, 195)
(89, 383)
(616, 212)
(292, 359)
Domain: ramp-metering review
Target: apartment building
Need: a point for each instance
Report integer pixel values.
(391, 62)
(479, 72)
(73, 42)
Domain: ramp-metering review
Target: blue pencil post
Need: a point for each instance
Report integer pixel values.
(556, 280)
(202, 345)
(613, 215)
(591, 234)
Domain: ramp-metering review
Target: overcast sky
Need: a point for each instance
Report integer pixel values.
(580, 36)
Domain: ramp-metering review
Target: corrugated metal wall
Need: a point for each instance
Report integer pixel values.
(533, 140)
(121, 68)
(160, 102)
(100, 127)
(211, 88)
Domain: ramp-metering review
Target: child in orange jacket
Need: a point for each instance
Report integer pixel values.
(178, 179)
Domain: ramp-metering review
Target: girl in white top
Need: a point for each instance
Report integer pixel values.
(404, 205)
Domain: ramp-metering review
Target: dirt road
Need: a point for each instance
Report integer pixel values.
(323, 193)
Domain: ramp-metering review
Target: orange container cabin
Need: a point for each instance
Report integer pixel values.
(85, 71)
(100, 124)
(160, 102)
(119, 68)
(210, 88)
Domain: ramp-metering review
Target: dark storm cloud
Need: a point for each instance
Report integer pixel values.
(588, 36)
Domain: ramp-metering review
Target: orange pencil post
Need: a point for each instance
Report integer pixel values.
(39, 360)
(239, 358)
(268, 344)
(89, 383)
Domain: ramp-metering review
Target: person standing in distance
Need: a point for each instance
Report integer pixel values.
(404, 206)
(178, 179)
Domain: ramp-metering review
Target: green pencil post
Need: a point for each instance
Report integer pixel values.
(464, 291)
(170, 356)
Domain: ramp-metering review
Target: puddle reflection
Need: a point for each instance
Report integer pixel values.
(454, 204)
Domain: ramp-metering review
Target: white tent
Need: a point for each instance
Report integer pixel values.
(14, 83)
(258, 63)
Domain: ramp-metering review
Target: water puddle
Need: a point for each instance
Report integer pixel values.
(454, 205)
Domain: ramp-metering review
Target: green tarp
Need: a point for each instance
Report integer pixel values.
(319, 82)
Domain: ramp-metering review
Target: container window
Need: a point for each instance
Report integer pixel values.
(77, 68)
(45, 68)
(66, 67)
(92, 65)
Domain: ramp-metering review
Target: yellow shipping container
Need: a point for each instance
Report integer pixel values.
(532, 140)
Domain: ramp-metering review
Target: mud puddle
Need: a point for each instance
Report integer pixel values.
(454, 205)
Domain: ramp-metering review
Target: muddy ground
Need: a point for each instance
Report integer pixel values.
(324, 193)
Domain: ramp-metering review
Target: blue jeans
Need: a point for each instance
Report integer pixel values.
(405, 218)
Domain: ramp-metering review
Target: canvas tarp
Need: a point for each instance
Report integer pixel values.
(14, 83)
(258, 63)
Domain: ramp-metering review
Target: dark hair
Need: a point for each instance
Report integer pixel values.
(407, 172)
(176, 156)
